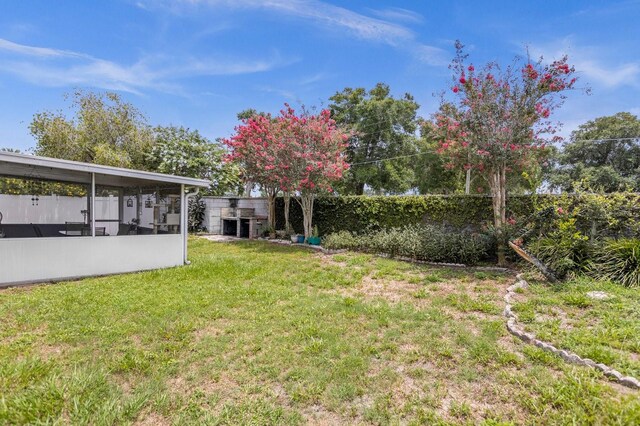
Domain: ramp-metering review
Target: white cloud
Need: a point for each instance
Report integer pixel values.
(41, 52)
(314, 78)
(331, 16)
(56, 67)
(398, 14)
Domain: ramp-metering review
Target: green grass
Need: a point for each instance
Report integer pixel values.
(606, 331)
(253, 333)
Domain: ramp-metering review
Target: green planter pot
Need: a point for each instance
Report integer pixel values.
(314, 241)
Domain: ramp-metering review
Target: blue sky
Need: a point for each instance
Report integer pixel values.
(198, 62)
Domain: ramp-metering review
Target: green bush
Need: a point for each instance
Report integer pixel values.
(611, 215)
(420, 242)
(618, 261)
(197, 209)
(341, 240)
(566, 258)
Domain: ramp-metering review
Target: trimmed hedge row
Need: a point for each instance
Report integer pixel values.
(370, 213)
(361, 214)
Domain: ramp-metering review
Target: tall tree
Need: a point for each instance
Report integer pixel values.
(311, 157)
(103, 129)
(382, 127)
(431, 174)
(602, 154)
(500, 120)
(255, 147)
(183, 152)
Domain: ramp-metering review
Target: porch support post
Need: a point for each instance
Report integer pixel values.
(120, 207)
(93, 204)
(183, 222)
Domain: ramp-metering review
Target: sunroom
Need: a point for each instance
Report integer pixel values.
(63, 219)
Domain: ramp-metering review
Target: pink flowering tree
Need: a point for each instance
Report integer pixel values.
(257, 149)
(313, 157)
(500, 121)
(292, 153)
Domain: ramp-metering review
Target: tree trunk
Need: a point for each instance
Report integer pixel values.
(467, 183)
(306, 203)
(287, 204)
(271, 203)
(498, 187)
(359, 188)
(248, 186)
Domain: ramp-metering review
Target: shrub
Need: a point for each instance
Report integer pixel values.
(421, 242)
(341, 240)
(565, 256)
(565, 250)
(618, 261)
(197, 209)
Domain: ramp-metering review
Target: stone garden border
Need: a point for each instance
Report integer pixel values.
(570, 357)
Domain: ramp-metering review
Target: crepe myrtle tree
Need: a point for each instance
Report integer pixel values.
(499, 121)
(313, 158)
(293, 153)
(256, 148)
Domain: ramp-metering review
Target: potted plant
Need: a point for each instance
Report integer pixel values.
(314, 239)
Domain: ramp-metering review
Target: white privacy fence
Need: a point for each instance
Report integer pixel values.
(59, 209)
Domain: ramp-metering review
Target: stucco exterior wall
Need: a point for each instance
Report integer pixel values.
(24, 260)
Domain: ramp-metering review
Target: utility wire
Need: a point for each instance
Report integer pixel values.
(431, 151)
(390, 158)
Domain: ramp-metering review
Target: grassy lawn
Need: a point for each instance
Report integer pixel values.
(606, 331)
(254, 333)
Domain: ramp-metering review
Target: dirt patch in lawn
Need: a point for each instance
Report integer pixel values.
(318, 415)
(151, 419)
(212, 329)
(393, 291)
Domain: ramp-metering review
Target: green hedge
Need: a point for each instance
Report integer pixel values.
(370, 213)
(361, 214)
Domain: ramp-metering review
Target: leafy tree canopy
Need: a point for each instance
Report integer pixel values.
(103, 129)
(432, 177)
(382, 127)
(603, 154)
(183, 152)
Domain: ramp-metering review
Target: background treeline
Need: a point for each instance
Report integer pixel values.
(392, 149)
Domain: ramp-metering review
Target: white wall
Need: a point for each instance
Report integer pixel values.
(128, 213)
(215, 204)
(25, 260)
(50, 209)
(61, 209)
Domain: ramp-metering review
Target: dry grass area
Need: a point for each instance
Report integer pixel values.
(253, 333)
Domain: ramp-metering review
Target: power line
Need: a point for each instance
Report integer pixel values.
(390, 158)
(637, 138)
(429, 152)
